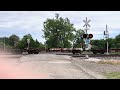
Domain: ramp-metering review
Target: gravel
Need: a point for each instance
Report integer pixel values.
(97, 67)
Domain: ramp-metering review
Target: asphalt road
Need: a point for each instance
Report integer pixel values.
(54, 66)
(40, 66)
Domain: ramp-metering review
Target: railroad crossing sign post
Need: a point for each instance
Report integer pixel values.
(28, 41)
(87, 41)
(106, 33)
(86, 28)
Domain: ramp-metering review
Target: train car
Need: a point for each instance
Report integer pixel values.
(96, 49)
(33, 51)
(20, 51)
(77, 50)
(67, 50)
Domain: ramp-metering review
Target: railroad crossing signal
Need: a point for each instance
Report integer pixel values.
(88, 36)
(86, 22)
(87, 41)
(85, 35)
(106, 34)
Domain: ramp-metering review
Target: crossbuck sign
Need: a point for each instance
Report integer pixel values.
(86, 24)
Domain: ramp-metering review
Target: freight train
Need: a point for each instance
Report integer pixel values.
(63, 50)
(81, 50)
(77, 50)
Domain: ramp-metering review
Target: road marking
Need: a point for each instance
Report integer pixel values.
(58, 62)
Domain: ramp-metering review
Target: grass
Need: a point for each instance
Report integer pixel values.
(115, 53)
(113, 75)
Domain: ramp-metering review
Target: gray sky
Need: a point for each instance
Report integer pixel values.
(25, 22)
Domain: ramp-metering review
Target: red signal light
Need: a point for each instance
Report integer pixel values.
(90, 36)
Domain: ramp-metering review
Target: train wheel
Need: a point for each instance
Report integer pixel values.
(73, 52)
(94, 52)
(102, 52)
(29, 53)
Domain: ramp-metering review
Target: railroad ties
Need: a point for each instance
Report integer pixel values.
(97, 55)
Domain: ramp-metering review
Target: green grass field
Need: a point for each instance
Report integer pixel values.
(113, 75)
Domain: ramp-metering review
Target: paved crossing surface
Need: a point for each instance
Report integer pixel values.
(40, 66)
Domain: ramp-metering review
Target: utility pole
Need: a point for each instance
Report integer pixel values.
(106, 33)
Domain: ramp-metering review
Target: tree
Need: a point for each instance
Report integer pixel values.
(112, 43)
(37, 44)
(41, 45)
(101, 44)
(117, 38)
(23, 43)
(78, 40)
(13, 40)
(58, 32)
(117, 41)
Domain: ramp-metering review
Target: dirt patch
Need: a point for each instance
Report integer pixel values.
(113, 62)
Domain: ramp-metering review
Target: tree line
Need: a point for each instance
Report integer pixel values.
(113, 42)
(58, 32)
(14, 42)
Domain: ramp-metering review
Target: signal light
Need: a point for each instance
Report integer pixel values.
(90, 36)
(85, 35)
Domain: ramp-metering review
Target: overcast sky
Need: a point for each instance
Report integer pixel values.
(31, 22)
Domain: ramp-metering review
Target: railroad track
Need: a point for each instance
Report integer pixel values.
(97, 55)
(90, 55)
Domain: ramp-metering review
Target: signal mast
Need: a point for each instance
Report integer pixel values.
(106, 34)
(87, 36)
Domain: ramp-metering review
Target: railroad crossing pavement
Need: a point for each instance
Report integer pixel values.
(44, 66)
(57, 67)
(60, 66)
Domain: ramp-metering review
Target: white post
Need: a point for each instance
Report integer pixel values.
(28, 41)
(107, 36)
